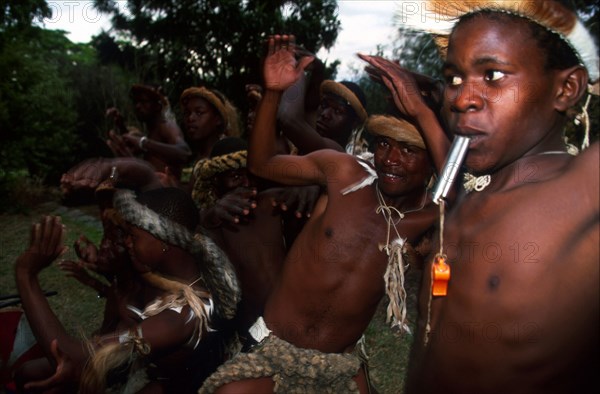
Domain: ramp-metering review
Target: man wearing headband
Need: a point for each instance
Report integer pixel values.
(162, 144)
(340, 117)
(208, 116)
(169, 337)
(354, 247)
(519, 310)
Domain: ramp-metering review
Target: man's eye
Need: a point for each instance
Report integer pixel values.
(454, 80)
(493, 75)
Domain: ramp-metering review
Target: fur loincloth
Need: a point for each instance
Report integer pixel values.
(294, 370)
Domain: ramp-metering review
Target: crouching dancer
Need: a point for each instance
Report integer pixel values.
(169, 339)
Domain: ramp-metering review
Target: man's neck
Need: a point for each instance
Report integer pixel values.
(411, 202)
(531, 168)
(203, 147)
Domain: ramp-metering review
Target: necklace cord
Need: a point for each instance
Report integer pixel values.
(440, 254)
(394, 275)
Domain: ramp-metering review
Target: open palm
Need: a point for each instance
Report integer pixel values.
(281, 70)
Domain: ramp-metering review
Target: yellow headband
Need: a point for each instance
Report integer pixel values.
(440, 17)
(224, 107)
(397, 129)
(338, 89)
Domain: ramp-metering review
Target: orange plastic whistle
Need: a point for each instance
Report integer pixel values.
(440, 273)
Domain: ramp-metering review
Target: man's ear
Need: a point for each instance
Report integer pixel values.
(573, 85)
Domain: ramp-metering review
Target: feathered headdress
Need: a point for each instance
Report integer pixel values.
(438, 17)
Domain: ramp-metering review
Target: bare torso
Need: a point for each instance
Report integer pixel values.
(332, 280)
(256, 248)
(521, 314)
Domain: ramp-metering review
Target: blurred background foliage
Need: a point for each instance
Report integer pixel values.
(53, 92)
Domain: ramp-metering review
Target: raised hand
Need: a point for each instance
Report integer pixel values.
(87, 174)
(232, 207)
(300, 198)
(85, 249)
(121, 145)
(410, 91)
(78, 271)
(254, 93)
(64, 378)
(114, 114)
(46, 245)
(281, 69)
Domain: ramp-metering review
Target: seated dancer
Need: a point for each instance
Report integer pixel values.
(162, 144)
(187, 289)
(521, 240)
(336, 271)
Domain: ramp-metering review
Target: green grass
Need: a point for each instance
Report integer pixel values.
(388, 349)
(81, 311)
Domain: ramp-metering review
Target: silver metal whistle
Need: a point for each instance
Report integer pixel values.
(454, 160)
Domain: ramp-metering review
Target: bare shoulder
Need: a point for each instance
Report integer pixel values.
(584, 171)
(587, 161)
(330, 153)
(334, 159)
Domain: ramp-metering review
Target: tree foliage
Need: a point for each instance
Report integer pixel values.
(20, 14)
(215, 43)
(53, 95)
(37, 114)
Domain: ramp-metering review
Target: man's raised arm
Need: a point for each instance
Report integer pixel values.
(281, 70)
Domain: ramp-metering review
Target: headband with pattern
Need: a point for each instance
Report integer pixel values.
(439, 18)
(205, 170)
